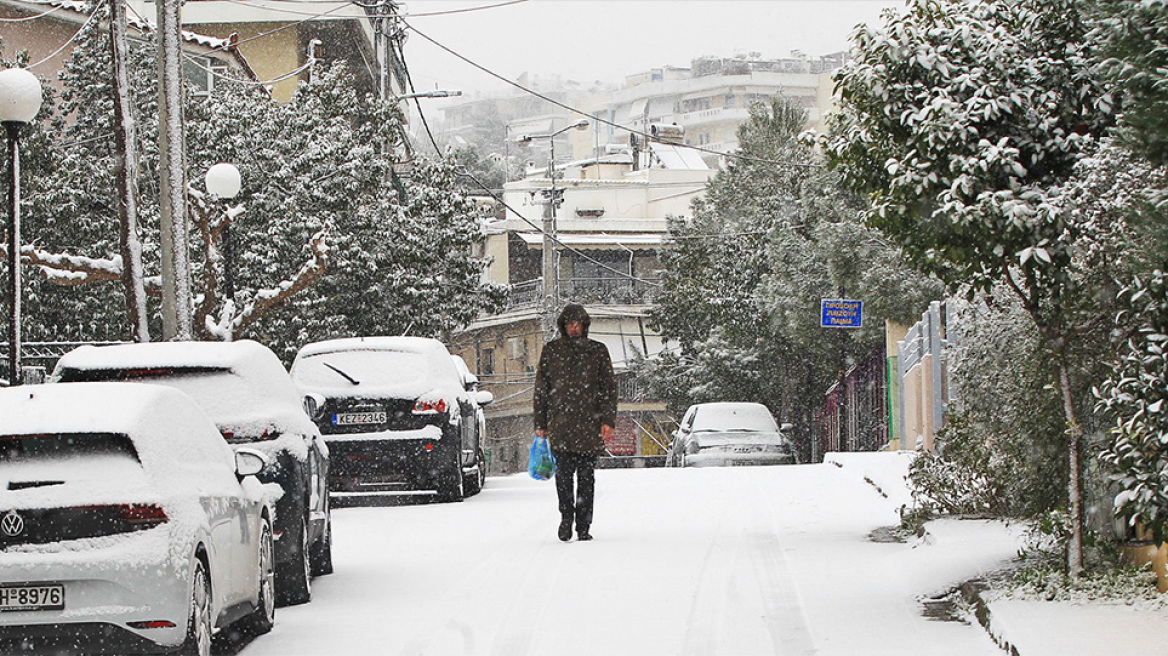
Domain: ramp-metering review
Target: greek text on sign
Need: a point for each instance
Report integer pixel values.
(838, 313)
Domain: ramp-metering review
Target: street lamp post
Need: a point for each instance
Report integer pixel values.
(20, 100)
(223, 183)
(552, 199)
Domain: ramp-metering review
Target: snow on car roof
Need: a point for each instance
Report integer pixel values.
(165, 425)
(385, 343)
(261, 393)
(733, 416)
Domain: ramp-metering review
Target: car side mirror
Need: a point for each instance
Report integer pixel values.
(249, 462)
(484, 398)
(314, 405)
(786, 427)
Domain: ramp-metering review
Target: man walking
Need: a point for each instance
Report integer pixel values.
(575, 409)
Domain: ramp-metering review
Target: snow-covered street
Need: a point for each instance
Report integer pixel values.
(750, 560)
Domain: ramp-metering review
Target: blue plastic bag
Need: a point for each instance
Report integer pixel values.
(541, 464)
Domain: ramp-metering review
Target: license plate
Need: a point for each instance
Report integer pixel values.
(358, 418)
(32, 597)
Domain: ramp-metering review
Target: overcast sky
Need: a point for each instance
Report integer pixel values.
(606, 40)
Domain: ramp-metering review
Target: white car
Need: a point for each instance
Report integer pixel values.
(247, 392)
(126, 522)
(729, 434)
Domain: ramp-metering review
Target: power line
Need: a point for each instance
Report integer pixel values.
(598, 119)
(499, 199)
(92, 15)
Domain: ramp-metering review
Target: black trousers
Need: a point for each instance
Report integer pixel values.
(576, 486)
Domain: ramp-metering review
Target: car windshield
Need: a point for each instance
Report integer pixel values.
(367, 368)
(734, 418)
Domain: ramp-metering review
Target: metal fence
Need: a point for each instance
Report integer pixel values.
(855, 416)
(923, 380)
(39, 358)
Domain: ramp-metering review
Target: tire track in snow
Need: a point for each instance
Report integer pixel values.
(508, 573)
(745, 600)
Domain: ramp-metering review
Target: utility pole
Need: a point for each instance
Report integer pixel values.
(551, 275)
(176, 290)
(551, 199)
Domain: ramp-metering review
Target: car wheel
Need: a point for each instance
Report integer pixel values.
(474, 481)
(294, 579)
(261, 620)
(322, 549)
(198, 642)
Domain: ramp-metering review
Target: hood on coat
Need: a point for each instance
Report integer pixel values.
(573, 312)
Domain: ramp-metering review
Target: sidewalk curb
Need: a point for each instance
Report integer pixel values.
(971, 592)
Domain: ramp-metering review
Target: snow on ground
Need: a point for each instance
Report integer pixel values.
(746, 560)
(1039, 628)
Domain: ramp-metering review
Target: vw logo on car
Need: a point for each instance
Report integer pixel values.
(12, 524)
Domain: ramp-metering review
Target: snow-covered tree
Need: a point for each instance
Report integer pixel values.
(319, 219)
(1138, 393)
(1134, 51)
(962, 119)
(774, 234)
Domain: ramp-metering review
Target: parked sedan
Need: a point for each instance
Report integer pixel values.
(247, 392)
(126, 524)
(397, 414)
(728, 434)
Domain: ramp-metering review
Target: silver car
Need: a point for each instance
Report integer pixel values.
(729, 434)
(127, 524)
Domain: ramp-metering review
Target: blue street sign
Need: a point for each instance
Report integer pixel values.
(842, 314)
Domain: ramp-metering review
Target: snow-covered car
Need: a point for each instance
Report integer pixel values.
(471, 383)
(727, 434)
(127, 525)
(247, 392)
(396, 414)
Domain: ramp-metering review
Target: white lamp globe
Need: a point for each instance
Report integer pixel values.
(20, 95)
(223, 181)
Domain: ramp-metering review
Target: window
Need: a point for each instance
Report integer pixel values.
(487, 362)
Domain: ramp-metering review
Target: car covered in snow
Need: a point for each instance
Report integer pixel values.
(482, 399)
(247, 392)
(127, 525)
(728, 434)
(396, 413)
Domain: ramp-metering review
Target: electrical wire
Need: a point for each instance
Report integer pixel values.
(194, 60)
(92, 16)
(32, 18)
(598, 119)
(464, 10)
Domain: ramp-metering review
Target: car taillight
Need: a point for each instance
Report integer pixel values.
(424, 407)
(142, 515)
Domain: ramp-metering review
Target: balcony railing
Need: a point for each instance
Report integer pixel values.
(590, 291)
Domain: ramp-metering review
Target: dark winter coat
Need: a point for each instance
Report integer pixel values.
(575, 388)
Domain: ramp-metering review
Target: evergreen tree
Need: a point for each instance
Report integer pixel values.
(743, 279)
(319, 219)
(962, 120)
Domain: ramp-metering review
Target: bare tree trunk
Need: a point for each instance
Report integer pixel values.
(127, 179)
(176, 287)
(1074, 482)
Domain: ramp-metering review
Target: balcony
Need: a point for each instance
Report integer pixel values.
(588, 291)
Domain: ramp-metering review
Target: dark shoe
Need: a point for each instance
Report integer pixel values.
(584, 535)
(565, 532)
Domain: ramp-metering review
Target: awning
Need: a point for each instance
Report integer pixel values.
(597, 240)
(637, 111)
